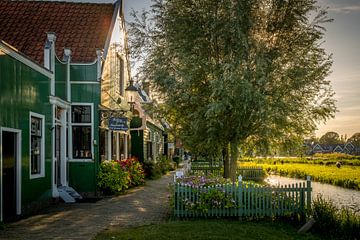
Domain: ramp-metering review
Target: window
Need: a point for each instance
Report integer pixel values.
(81, 117)
(117, 69)
(37, 152)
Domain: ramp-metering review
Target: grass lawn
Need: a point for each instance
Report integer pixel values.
(346, 176)
(208, 229)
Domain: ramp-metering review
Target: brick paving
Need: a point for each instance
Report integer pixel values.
(142, 205)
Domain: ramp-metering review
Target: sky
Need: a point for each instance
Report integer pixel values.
(342, 39)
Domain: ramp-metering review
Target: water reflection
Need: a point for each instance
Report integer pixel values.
(342, 197)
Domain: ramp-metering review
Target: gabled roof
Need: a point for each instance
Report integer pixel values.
(82, 27)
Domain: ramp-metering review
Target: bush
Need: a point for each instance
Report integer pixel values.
(135, 170)
(151, 169)
(155, 169)
(112, 178)
(332, 222)
(176, 159)
(117, 176)
(2, 225)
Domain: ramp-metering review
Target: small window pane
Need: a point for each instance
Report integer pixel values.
(35, 145)
(82, 142)
(81, 114)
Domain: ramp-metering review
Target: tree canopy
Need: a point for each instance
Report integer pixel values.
(330, 138)
(232, 72)
(355, 139)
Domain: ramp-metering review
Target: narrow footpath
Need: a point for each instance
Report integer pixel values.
(142, 205)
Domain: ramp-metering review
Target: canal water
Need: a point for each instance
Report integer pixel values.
(341, 197)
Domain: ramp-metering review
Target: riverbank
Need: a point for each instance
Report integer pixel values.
(346, 176)
(341, 197)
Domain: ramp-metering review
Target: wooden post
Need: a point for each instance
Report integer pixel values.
(308, 192)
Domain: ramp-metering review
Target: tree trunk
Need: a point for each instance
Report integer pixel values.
(226, 161)
(233, 160)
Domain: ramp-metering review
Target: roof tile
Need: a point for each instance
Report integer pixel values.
(83, 27)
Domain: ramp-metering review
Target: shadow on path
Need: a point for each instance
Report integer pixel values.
(141, 205)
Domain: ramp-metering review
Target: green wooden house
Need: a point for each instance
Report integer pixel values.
(148, 134)
(62, 78)
(25, 124)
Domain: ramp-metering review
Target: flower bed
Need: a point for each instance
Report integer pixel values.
(116, 176)
(199, 196)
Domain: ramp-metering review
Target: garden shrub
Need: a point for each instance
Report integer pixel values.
(335, 223)
(155, 169)
(135, 170)
(152, 170)
(2, 225)
(112, 178)
(176, 159)
(117, 176)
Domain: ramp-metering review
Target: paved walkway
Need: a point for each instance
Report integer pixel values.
(142, 205)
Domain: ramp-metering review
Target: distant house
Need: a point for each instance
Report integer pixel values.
(347, 148)
(63, 76)
(148, 135)
(317, 148)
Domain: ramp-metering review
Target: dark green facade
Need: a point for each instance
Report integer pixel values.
(24, 90)
(85, 89)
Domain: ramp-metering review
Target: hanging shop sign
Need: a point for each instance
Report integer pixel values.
(118, 124)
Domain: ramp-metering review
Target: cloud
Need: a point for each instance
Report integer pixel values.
(338, 8)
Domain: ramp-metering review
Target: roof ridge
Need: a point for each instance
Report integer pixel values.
(61, 1)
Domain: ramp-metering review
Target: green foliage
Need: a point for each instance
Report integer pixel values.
(151, 169)
(355, 139)
(176, 159)
(346, 176)
(330, 138)
(155, 169)
(116, 176)
(2, 225)
(210, 199)
(135, 170)
(335, 223)
(230, 72)
(321, 159)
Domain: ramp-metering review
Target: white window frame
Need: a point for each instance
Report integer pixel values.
(42, 153)
(91, 124)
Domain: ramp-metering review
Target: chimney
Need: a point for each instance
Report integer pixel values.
(49, 50)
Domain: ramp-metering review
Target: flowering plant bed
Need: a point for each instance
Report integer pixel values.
(116, 176)
(216, 197)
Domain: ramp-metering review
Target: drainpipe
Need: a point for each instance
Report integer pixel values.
(67, 59)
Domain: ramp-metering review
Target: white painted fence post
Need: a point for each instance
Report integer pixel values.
(308, 192)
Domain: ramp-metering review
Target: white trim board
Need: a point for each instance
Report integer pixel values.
(18, 168)
(83, 82)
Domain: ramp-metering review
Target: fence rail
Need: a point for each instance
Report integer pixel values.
(250, 173)
(240, 200)
(216, 168)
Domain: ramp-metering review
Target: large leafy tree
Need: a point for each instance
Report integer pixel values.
(330, 138)
(229, 72)
(355, 139)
